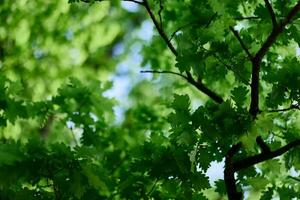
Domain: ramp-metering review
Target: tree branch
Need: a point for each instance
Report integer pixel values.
(200, 86)
(236, 34)
(294, 178)
(256, 61)
(292, 107)
(159, 29)
(164, 72)
(228, 67)
(277, 31)
(247, 18)
(264, 147)
(229, 179)
(263, 156)
(234, 166)
(134, 1)
(271, 12)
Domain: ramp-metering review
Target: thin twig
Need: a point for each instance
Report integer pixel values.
(271, 12)
(228, 67)
(159, 29)
(247, 18)
(164, 72)
(192, 24)
(294, 178)
(236, 34)
(199, 85)
(292, 107)
(153, 187)
(134, 1)
(211, 19)
(180, 28)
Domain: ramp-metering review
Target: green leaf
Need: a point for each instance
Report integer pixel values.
(200, 181)
(239, 95)
(220, 187)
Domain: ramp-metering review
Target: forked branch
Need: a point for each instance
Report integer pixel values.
(199, 85)
(264, 155)
(256, 61)
(292, 107)
(234, 166)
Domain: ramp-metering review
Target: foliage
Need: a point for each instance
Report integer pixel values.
(225, 88)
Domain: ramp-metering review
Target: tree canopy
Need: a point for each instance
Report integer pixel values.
(217, 82)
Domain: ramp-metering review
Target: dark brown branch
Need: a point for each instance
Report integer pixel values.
(271, 12)
(292, 107)
(294, 178)
(159, 29)
(199, 85)
(264, 147)
(164, 72)
(247, 18)
(256, 61)
(229, 179)
(263, 156)
(134, 1)
(278, 30)
(228, 67)
(232, 166)
(236, 34)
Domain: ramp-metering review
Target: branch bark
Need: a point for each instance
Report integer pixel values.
(229, 179)
(232, 166)
(199, 85)
(236, 34)
(263, 156)
(272, 13)
(256, 61)
(292, 107)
